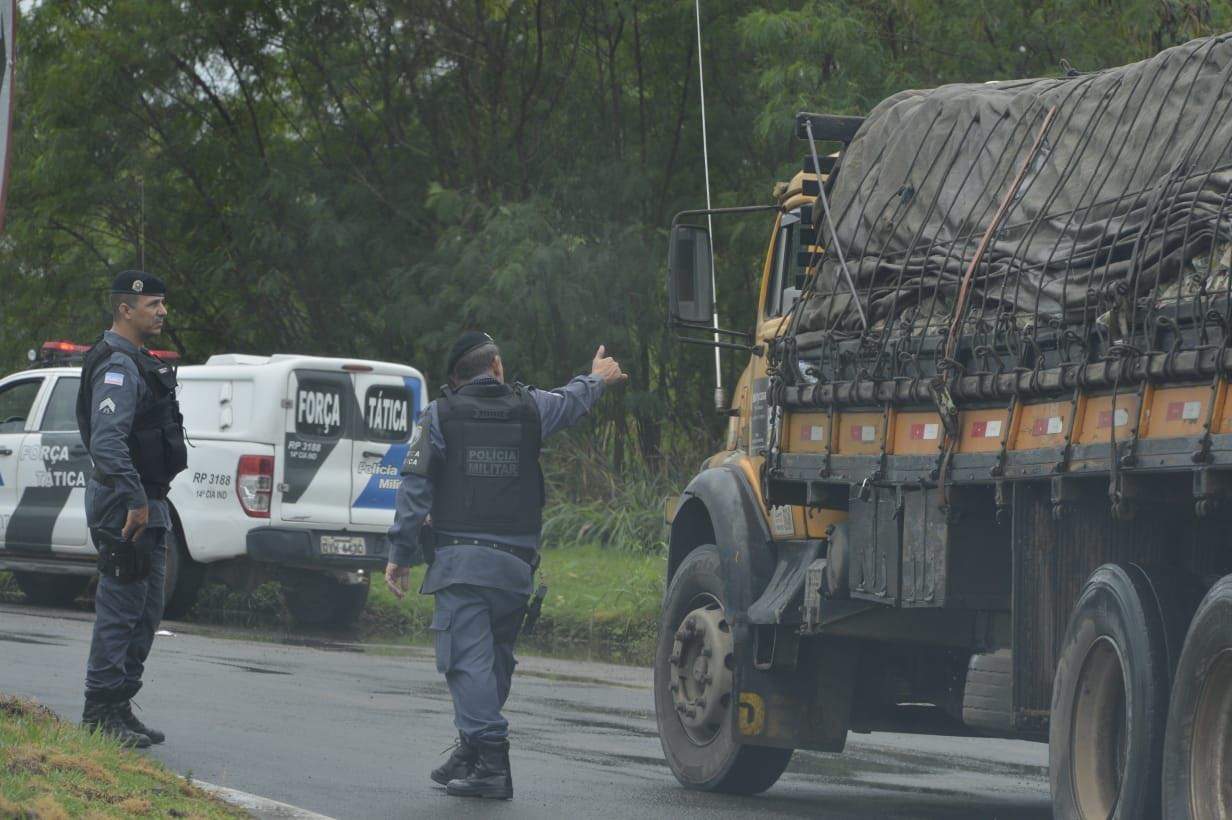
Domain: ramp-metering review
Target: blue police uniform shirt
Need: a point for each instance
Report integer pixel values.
(481, 566)
(118, 393)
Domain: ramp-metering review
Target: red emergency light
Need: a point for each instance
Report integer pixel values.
(60, 349)
(64, 348)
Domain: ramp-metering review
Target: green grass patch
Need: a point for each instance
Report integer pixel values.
(53, 769)
(600, 601)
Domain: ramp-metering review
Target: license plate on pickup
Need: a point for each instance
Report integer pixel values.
(343, 545)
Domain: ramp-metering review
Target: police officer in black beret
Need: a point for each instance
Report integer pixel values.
(130, 421)
(473, 465)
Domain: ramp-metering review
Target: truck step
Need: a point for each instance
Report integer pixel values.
(988, 697)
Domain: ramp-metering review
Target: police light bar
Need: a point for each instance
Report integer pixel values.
(165, 355)
(64, 348)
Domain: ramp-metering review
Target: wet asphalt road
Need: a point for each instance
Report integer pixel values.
(353, 734)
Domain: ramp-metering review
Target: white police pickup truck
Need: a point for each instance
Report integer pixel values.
(293, 467)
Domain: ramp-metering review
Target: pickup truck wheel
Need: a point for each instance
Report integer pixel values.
(183, 578)
(693, 687)
(319, 600)
(1109, 701)
(349, 604)
(51, 589)
(1197, 779)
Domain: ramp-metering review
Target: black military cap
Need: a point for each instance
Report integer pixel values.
(468, 341)
(139, 283)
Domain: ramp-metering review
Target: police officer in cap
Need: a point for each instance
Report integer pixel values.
(473, 467)
(131, 424)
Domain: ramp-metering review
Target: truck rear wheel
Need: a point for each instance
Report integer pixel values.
(1109, 701)
(693, 687)
(183, 578)
(1197, 779)
(50, 589)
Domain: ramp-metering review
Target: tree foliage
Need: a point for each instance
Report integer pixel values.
(369, 177)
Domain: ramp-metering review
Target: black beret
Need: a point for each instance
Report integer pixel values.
(468, 341)
(139, 283)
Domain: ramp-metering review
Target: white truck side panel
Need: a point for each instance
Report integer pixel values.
(215, 525)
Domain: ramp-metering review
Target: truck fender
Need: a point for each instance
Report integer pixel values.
(719, 507)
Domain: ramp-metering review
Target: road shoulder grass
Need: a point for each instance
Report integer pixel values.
(51, 769)
(600, 602)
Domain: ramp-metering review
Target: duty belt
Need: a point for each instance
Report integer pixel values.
(151, 491)
(528, 556)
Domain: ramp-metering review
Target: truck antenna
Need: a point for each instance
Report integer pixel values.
(720, 396)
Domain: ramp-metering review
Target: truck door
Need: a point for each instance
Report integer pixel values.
(17, 403)
(313, 471)
(390, 406)
(55, 466)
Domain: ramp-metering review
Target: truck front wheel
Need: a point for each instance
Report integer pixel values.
(1110, 701)
(693, 687)
(1198, 748)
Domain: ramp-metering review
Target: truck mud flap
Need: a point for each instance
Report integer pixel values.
(808, 708)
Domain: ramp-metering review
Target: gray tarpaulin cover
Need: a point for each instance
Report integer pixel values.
(1129, 190)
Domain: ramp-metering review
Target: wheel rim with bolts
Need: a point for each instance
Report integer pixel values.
(701, 671)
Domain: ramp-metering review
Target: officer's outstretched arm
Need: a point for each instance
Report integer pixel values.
(566, 406)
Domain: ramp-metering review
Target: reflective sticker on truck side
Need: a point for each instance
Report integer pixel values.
(1105, 418)
(863, 432)
(751, 714)
(781, 523)
(759, 423)
(1049, 426)
(1184, 410)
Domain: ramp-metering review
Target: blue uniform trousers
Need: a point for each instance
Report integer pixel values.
(126, 615)
(475, 629)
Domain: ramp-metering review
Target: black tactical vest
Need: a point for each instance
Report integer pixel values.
(156, 441)
(490, 480)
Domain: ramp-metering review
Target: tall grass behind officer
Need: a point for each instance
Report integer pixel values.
(130, 421)
(474, 466)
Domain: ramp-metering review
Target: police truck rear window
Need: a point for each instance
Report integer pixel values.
(387, 413)
(319, 409)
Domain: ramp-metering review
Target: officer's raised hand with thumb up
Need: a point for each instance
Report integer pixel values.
(607, 368)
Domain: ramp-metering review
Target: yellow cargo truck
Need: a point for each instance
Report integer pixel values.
(977, 472)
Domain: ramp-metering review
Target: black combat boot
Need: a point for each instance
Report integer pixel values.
(459, 765)
(125, 711)
(491, 777)
(102, 715)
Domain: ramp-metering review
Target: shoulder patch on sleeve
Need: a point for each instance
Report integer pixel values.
(113, 377)
(107, 407)
(419, 453)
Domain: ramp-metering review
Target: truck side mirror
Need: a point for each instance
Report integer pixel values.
(690, 270)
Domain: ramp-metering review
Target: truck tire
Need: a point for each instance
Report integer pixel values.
(1197, 780)
(50, 589)
(1110, 701)
(698, 736)
(183, 578)
(317, 600)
